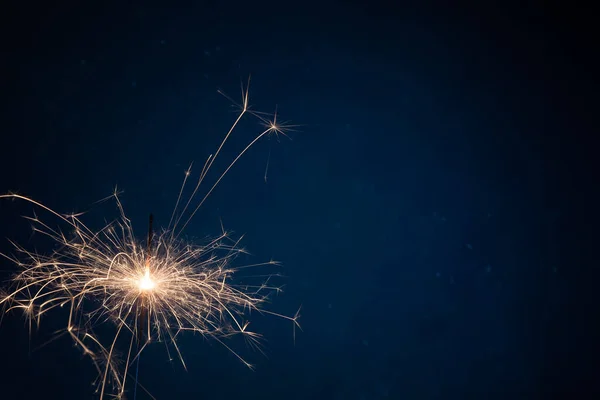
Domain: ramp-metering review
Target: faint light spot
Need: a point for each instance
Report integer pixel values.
(469, 246)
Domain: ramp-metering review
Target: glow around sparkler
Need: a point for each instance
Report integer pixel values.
(148, 291)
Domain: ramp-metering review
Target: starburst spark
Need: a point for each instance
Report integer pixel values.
(145, 293)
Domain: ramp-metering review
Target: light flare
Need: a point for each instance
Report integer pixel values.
(146, 283)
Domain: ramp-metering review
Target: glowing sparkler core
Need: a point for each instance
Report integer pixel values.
(146, 283)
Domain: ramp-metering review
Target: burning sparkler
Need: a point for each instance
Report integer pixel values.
(147, 293)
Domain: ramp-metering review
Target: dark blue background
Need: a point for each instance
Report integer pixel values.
(419, 210)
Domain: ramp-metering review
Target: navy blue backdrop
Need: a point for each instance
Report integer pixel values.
(416, 209)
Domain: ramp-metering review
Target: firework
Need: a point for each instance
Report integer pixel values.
(146, 292)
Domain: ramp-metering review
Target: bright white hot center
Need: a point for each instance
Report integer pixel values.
(146, 283)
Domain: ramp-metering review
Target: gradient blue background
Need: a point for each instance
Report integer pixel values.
(418, 210)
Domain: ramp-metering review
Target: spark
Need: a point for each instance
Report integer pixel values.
(149, 293)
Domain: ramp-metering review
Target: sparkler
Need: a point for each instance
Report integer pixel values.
(145, 293)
